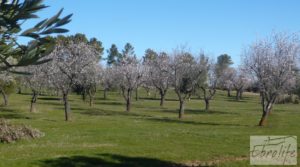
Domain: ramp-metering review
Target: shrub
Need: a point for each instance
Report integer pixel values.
(10, 133)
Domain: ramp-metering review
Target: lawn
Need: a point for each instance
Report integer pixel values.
(104, 135)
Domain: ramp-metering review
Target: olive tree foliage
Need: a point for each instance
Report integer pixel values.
(128, 75)
(185, 73)
(272, 62)
(70, 60)
(208, 81)
(13, 13)
(240, 82)
(7, 86)
(159, 70)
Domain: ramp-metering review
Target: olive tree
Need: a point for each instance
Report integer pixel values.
(185, 72)
(13, 13)
(70, 58)
(272, 61)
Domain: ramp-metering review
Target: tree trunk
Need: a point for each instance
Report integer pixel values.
(19, 90)
(5, 98)
(263, 119)
(91, 100)
(206, 105)
(33, 102)
(241, 94)
(181, 109)
(136, 94)
(128, 104)
(238, 95)
(105, 94)
(228, 92)
(83, 96)
(67, 106)
(162, 99)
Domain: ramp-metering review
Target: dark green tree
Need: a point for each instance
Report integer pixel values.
(223, 62)
(113, 55)
(149, 55)
(128, 51)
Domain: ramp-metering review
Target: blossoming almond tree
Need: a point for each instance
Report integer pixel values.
(186, 71)
(70, 58)
(272, 62)
(159, 74)
(128, 75)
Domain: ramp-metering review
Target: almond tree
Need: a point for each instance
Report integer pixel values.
(128, 74)
(35, 81)
(107, 80)
(185, 73)
(70, 58)
(240, 82)
(89, 79)
(159, 74)
(226, 80)
(272, 61)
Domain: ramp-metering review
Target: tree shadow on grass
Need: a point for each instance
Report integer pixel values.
(109, 103)
(107, 160)
(102, 112)
(168, 120)
(8, 113)
(233, 99)
(49, 98)
(200, 112)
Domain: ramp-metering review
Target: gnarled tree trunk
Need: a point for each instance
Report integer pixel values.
(137, 94)
(206, 104)
(162, 97)
(67, 106)
(181, 109)
(228, 93)
(105, 93)
(33, 101)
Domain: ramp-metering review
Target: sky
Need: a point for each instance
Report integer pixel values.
(213, 26)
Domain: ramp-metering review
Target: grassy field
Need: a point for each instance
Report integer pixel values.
(104, 135)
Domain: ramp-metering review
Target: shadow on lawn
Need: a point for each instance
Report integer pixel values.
(199, 111)
(102, 112)
(11, 114)
(107, 160)
(168, 120)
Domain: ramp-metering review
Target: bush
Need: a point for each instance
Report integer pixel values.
(11, 133)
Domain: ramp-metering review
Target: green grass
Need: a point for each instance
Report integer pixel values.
(104, 135)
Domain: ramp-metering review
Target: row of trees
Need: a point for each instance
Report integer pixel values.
(270, 64)
(64, 63)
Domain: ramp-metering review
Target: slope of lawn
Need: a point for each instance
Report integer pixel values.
(105, 135)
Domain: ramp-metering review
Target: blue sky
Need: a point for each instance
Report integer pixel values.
(214, 26)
